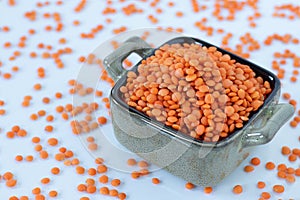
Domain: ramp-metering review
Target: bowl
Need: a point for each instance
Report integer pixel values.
(196, 161)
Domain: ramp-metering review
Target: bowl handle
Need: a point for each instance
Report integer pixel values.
(280, 114)
(113, 62)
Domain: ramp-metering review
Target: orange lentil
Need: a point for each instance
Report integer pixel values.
(266, 195)
(31, 31)
(296, 151)
(22, 133)
(143, 164)
(144, 172)
(81, 187)
(248, 168)
(75, 161)
(62, 41)
(293, 79)
(19, 158)
(189, 186)
(91, 189)
(92, 171)
(99, 93)
(297, 172)
(11, 183)
(290, 170)
(50, 118)
(15, 68)
(7, 44)
(38, 147)
(278, 188)
(5, 29)
(261, 184)
(45, 181)
(34, 116)
(255, 161)
(52, 141)
(29, 158)
(7, 176)
(179, 14)
(7, 75)
(80, 170)
(104, 191)
(53, 193)
(26, 103)
(131, 162)
(90, 139)
(41, 113)
(281, 167)
(49, 128)
(36, 190)
(292, 158)
(84, 198)
(290, 178)
(113, 192)
(55, 170)
(46, 100)
(40, 197)
(115, 182)
(285, 150)
(67, 162)
(238, 189)
(93, 146)
(33, 55)
(58, 95)
(135, 175)
(102, 120)
(24, 198)
(293, 102)
(69, 153)
(10, 134)
(155, 181)
(76, 23)
(15, 128)
(62, 149)
(37, 86)
(122, 196)
(59, 109)
(101, 169)
(293, 123)
(270, 165)
(44, 154)
(81, 59)
(208, 190)
(103, 179)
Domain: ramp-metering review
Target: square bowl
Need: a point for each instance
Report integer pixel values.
(199, 162)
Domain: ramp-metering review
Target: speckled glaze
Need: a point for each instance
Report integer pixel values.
(204, 164)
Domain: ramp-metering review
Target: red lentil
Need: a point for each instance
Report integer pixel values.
(238, 189)
(270, 165)
(261, 184)
(189, 186)
(115, 182)
(208, 190)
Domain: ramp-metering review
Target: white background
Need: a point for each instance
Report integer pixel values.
(12, 92)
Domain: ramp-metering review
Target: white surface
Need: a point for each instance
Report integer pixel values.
(13, 91)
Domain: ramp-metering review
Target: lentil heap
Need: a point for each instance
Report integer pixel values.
(195, 89)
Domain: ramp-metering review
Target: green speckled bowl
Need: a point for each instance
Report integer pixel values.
(198, 162)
